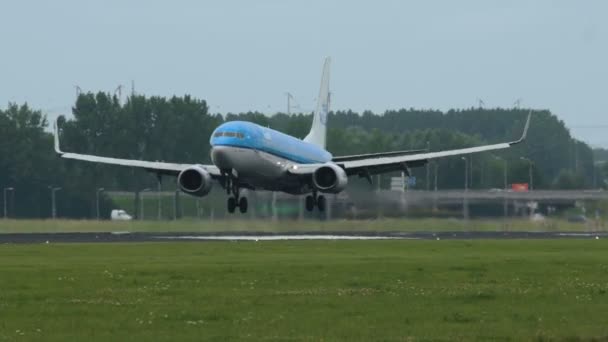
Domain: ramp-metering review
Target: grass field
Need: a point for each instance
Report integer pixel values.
(402, 225)
(314, 290)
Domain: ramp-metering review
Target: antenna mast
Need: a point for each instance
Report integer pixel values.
(119, 91)
(289, 98)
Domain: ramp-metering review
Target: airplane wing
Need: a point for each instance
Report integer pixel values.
(158, 167)
(375, 165)
(373, 155)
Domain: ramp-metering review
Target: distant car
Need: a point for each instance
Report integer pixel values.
(120, 215)
(577, 219)
(537, 217)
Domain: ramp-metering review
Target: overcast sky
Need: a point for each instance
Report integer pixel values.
(245, 55)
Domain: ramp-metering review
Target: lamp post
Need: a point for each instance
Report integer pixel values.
(436, 170)
(141, 204)
(505, 207)
(427, 180)
(596, 167)
(198, 208)
(160, 199)
(465, 202)
(175, 200)
(531, 185)
(504, 171)
(99, 191)
(53, 206)
(435, 187)
(466, 173)
(5, 198)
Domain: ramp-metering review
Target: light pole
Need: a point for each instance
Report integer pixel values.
(435, 188)
(53, 206)
(141, 204)
(428, 172)
(505, 207)
(594, 176)
(175, 200)
(531, 186)
(504, 171)
(160, 199)
(470, 171)
(466, 173)
(465, 202)
(5, 198)
(99, 191)
(596, 167)
(198, 208)
(436, 170)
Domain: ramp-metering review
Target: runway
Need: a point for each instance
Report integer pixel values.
(125, 237)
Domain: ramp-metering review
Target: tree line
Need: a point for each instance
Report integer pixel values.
(177, 129)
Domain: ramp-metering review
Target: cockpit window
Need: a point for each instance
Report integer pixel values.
(229, 135)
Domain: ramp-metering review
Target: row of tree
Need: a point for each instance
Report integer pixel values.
(177, 129)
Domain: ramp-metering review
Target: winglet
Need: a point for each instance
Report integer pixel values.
(523, 136)
(56, 136)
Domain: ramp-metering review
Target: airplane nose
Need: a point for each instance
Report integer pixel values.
(221, 157)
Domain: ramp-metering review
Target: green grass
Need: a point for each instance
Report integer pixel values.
(403, 225)
(313, 290)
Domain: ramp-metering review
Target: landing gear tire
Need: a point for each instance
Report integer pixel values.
(231, 204)
(310, 203)
(243, 205)
(321, 203)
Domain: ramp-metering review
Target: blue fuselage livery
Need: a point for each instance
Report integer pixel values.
(248, 135)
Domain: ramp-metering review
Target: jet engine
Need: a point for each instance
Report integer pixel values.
(329, 178)
(195, 181)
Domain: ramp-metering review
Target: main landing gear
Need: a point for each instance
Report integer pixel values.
(235, 200)
(319, 201)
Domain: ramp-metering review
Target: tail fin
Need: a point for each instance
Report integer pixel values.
(319, 122)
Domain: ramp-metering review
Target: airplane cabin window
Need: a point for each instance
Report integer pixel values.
(229, 134)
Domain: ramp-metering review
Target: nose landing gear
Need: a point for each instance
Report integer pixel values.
(236, 200)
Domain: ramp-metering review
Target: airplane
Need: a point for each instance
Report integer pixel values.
(248, 156)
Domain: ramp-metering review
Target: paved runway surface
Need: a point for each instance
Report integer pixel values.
(258, 236)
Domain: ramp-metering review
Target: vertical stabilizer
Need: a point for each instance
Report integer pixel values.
(319, 122)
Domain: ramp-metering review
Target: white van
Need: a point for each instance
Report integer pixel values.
(120, 215)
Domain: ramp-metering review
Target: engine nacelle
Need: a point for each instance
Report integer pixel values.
(195, 181)
(330, 178)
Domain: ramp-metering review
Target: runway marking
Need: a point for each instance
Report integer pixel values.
(284, 237)
(582, 234)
